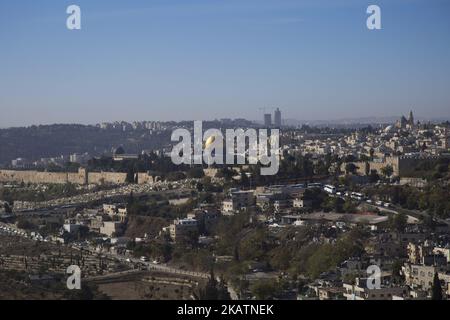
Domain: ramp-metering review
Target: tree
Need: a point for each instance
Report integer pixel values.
(196, 172)
(367, 168)
(398, 222)
(436, 289)
(130, 200)
(226, 173)
(327, 256)
(175, 176)
(387, 171)
(349, 206)
(245, 181)
(8, 208)
(396, 271)
(265, 289)
(428, 221)
(236, 253)
(373, 177)
(334, 204)
(350, 168)
(130, 175)
(199, 186)
(214, 290)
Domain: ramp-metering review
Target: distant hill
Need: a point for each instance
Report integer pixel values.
(37, 142)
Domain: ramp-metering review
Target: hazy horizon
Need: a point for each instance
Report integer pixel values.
(378, 120)
(204, 59)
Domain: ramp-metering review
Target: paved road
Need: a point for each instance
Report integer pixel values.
(418, 214)
(158, 267)
(82, 200)
(411, 218)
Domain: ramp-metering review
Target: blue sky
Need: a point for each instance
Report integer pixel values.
(206, 59)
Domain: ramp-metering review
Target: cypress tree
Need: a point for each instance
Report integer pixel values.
(436, 289)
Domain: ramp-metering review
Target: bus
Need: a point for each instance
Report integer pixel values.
(357, 196)
(330, 189)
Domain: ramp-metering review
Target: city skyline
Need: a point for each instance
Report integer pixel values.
(202, 61)
(261, 119)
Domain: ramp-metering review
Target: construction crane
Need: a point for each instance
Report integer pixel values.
(264, 109)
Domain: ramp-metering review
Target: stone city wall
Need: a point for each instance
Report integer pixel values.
(377, 166)
(33, 176)
(106, 178)
(145, 178)
(81, 177)
(404, 166)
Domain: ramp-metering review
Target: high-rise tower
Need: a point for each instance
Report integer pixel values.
(411, 119)
(267, 120)
(277, 118)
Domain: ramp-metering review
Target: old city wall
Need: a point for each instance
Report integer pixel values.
(33, 176)
(374, 165)
(80, 177)
(145, 178)
(407, 164)
(404, 166)
(106, 177)
(389, 161)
